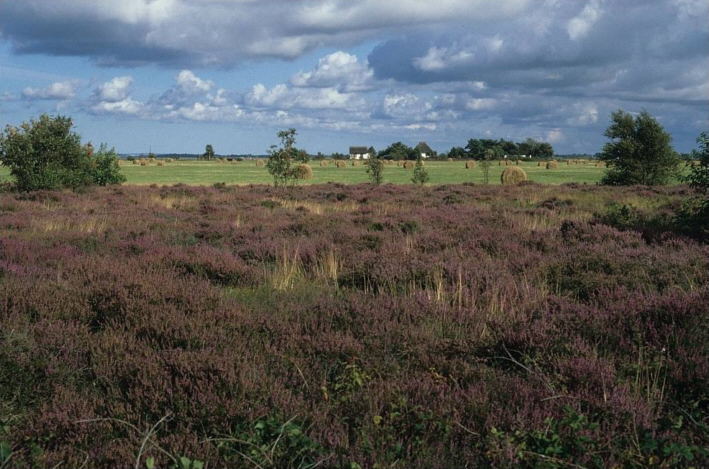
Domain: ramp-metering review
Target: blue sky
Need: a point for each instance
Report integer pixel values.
(174, 75)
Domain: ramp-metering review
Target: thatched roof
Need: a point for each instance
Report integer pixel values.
(358, 150)
(423, 147)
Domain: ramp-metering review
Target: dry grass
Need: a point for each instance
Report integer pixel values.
(328, 267)
(303, 172)
(287, 271)
(513, 175)
(91, 225)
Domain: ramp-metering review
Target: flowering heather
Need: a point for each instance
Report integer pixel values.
(349, 327)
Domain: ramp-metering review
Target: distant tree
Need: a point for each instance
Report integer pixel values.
(420, 174)
(375, 170)
(47, 154)
(208, 153)
(508, 147)
(398, 151)
(640, 151)
(456, 153)
(372, 152)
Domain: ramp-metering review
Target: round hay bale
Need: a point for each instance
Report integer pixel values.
(303, 171)
(143, 163)
(513, 175)
(470, 164)
(449, 159)
(136, 162)
(539, 164)
(499, 163)
(160, 163)
(340, 164)
(408, 165)
(355, 163)
(260, 164)
(552, 165)
(324, 164)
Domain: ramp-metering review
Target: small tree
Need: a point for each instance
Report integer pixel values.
(208, 152)
(640, 151)
(698, 177)
(420, 174)
(375, 169)
(486, 162)
(280, 160)
(46, 154)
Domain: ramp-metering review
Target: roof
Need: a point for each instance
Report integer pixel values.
(423, 148)
(358, 150)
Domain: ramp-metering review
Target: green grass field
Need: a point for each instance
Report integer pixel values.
(245, 172)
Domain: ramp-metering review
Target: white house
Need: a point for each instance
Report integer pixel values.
(359, 153)
(424, 150)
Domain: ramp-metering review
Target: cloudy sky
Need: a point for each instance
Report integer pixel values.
(173, 75)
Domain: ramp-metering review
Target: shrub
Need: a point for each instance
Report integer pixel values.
(375, 170)
(303, 171)
(420, 174)
(640, 151)
(46, 154)
(513, 175)
(470, 164)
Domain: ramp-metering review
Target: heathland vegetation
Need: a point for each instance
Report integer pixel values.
(350, 326)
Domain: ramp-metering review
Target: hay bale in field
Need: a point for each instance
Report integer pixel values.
(568, 163)
(324, 164)
(470, 164)
(355, 163)
(136, 162)
(507, 162)
(552, 165)
(539, 163)
(160, 163)
(449, 159)
(408, 165)
(513, 175)
(143, 163)
(260, 164)
(340, 164)
(303, 171)
(499, 163)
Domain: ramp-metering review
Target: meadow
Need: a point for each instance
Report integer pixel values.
(195, 172)
(349, 326)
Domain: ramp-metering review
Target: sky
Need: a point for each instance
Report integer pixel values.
(174, 75)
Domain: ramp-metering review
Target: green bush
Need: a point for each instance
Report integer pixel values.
(46, 154)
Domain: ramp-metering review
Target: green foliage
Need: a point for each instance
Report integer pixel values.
(420, 174)
(398, 151)
(282, 160)
(269, 443)
(561, 443)
(208, 153)
(698, 178)
(640, 151)
(46, 154)
(375, 170)
(104, 167)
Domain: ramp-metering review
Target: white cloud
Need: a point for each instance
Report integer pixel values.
(579, 26)
(439, 58)
(191, 83)
(115, 90)
(283, 97)
(127, 106)
(338, 69)
(56, 91)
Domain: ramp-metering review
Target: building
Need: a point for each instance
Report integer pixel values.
(359, 153)
(424, 150)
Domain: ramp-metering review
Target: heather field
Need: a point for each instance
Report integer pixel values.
(350, 326)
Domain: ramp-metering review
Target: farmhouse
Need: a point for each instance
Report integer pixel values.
(359, 153)
(424, 150)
